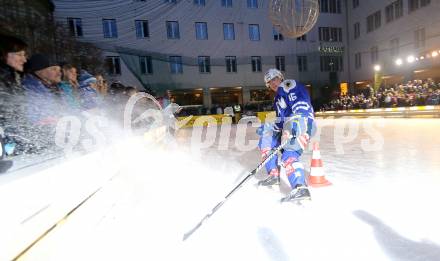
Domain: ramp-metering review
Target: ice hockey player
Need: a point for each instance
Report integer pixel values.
(294, 118)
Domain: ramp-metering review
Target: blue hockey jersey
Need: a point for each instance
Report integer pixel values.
(291, 100)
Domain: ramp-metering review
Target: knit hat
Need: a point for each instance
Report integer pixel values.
(38, 62)
(86, 78)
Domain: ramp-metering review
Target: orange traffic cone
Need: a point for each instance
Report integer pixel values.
(317, 177)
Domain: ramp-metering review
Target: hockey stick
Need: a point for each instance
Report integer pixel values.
(272, 154)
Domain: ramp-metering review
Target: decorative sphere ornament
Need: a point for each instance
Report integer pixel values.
(293, 18)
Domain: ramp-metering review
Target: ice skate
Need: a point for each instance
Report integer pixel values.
(297, 194)
(272, 179)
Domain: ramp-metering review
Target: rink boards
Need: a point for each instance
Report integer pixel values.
(35, 202)
(398, 112)
(36, 199)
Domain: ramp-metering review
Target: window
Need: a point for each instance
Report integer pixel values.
(280, 63)
(398, 9)
(419, 38)
(142, 30)
(394, 47)
(331, 64)
(173, 30)
(358, 60)
(416, 4)
(201, 31)
(355, 3)
(373, 21)
(377, 19)
(231, 64)
(335, 34)
(277, 36)
(424, 2)
(302, 38)
(357, 30)
(226, 3)
(394, 10)
(413, 5)
(324, 6)
(370, 23)
(113, 65)
(75, 27)
(176, 64)
(252, 3)
(254, 32)
(389, 13)
(335, 6)
(199, 2)
(228, 31)
(146, 64)
(204, 64)
(330, 34)
(330, 6)
(324, 34)
(256, 63)
(109, 28)
(302, 63)
(374, 51)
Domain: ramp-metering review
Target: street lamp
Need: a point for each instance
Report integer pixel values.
(434, 53)
(377, 67)
(410, 59)
(399, 62)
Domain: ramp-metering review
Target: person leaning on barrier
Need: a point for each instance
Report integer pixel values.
(69, 86)
(43, 100)
(12, 111)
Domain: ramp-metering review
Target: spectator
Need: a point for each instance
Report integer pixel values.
(166, 99)
(116, 90)
(102, 86)
(69, 86)
(43, 101)
(41, 80)
(12, 111)
(219, 110)
(88, 91)
(412, 93)
(12, 60)
(130, 91)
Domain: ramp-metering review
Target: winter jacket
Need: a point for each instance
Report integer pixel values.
(13, 121)
(43, 102)
(12, 99)
(69, 95)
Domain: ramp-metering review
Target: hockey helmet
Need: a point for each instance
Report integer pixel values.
(272, 74)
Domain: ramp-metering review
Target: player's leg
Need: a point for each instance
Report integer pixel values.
(301, 130)
(269, 139)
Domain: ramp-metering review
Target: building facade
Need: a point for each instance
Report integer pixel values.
(216, 51)
(208, 51)
(400, 37)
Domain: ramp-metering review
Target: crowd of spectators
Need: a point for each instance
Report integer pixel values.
(37, 91)
(412, 93)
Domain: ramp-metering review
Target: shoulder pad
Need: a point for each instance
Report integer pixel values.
(288, 85)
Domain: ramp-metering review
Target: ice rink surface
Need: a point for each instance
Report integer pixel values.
(383, 204)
